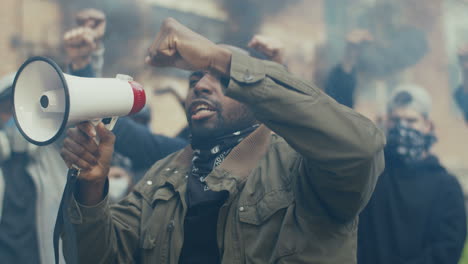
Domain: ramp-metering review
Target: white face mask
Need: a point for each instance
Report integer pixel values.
(118, 188)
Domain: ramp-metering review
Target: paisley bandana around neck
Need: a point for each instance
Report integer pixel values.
(205, 159)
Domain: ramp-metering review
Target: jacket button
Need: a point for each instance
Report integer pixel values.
(149, 182)
(242, 209)
(247, 76)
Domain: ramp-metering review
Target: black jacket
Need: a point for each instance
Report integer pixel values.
(416, 215)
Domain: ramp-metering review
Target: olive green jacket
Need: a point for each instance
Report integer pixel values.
(294, 196)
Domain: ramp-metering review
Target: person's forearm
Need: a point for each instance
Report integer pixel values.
(349, 60)
(221, 61)
(89, 193)
(105, 235)
(86, 71)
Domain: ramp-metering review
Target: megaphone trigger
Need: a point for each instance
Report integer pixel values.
(108, 122)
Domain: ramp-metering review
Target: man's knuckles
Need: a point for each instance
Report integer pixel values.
(70, 158)
(75, 147)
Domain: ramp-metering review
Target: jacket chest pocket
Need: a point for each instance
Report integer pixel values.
(267, 227)
(258, 212)
(157, 231)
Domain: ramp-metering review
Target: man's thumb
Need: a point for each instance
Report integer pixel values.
(106, 137)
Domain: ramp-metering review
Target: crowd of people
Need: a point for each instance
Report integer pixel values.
(271, 169)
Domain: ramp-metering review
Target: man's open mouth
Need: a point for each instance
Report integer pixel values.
(201, 110)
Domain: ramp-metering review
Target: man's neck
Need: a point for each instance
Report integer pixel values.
(229, 138)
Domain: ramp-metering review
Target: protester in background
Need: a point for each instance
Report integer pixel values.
(417, 212)
(342, 81)
(461, 95)
(32, 179)
(19, 207)
(134, 139)
(84, 45)
(238, 193)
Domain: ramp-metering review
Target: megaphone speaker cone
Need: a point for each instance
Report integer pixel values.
(41, 100)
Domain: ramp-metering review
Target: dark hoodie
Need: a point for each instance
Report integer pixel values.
(416, 215)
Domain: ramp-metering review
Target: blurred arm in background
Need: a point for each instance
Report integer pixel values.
(461, 95)
(272, 48)
(83, 44)
(133, 140)
(96, 21)
(341, 82)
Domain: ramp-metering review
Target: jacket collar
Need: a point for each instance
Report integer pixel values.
(231, 174)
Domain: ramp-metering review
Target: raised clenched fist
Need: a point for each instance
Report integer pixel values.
(177, 46)
(93, 19)
(270, 47)
(79, 45)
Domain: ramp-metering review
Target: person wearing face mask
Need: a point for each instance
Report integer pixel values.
(120, 182)
(417, 212)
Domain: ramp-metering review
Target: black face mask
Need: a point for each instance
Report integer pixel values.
(408, 144)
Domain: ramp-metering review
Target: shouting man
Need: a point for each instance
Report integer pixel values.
(238, 193)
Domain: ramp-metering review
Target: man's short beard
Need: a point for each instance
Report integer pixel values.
(244, 119)
(204, 134)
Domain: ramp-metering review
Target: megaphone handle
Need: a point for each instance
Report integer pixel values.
(109, 124)
(63, 224)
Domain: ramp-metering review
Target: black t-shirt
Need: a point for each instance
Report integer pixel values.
(200, 244)
(200, 239)
(18, 234)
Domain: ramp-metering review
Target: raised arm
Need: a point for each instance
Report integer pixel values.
(341, 81)
(341, 150)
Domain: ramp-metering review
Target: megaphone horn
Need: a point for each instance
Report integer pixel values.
(46, 101)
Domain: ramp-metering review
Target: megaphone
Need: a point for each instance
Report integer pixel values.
(46, 101)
